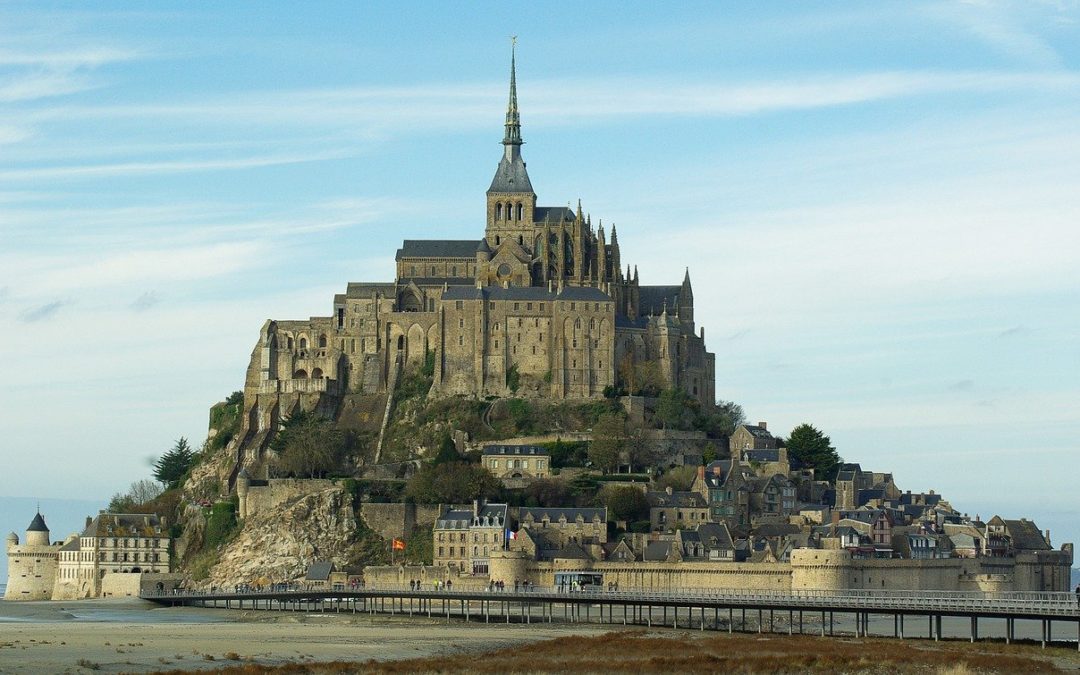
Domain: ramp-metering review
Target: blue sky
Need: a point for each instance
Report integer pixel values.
(878, 204)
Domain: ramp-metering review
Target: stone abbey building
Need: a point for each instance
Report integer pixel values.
(540, 306)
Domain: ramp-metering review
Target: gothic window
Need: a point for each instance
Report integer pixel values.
(300, 374)
(322, 342)
(520, 211)
(316, 374)
(498, 211)
(498, 240)
(303, 343)
(401, 342)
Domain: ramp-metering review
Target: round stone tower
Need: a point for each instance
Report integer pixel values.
(37, 534)
(32, 566)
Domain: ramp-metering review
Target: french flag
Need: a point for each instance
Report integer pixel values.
(510, 536)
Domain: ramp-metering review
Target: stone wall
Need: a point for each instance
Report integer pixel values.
(31, 572)
(810, 569)
(131, 584)
(398, 520)
(275, 492)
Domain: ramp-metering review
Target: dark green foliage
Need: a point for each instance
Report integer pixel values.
(413, 383)
(447, 452)
(311, 446)
(452, 483)
(419, 545)
(642, 526)
(609, 441)
(375, 491)
(174, 464)
(721, 420)
(121, 503)
(623, 478)
(625, 503)
(673, 409)
(584, 486)
(679, 478)
(428, 369)
(547, 492)
(225, 418)
(813, 448)
(563, 453)
(220, 524)
(513, 378)
(710, 455)
(369, 547)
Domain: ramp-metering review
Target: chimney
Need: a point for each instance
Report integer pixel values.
(475, 507)
(763, 425)
(1047, 534)
(669, 489)
(701, 472)
(89, 521)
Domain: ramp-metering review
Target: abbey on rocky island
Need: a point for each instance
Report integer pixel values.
(538, 307)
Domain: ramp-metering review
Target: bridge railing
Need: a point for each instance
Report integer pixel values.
(1045, 602)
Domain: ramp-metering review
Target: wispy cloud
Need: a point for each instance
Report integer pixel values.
(1002, 26)
(145, 301)
(1010, 332)
(163, 167)
(41, 312)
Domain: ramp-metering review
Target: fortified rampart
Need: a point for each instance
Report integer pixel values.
(809, 569)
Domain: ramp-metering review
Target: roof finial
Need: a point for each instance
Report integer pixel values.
(513, 119)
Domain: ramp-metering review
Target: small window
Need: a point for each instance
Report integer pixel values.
(541, 306)
(458, 305)
(528, 305)
(491, 305)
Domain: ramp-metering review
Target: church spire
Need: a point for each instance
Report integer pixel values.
(513, 119)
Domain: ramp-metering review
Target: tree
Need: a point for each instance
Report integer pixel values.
(608, 442)
(548, 492)
(309, 446)
(452, 483)
(672, 408)
(144, 490)
(721, 420)
(171, 467)
(640, 452)
(447, 452)
(679, 478)
(625, 503)
(813, 448)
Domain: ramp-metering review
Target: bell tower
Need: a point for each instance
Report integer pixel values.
(511, 201)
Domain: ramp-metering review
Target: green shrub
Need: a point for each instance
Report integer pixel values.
(220, 525)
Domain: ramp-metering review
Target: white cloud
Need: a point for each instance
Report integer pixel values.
(160, 167)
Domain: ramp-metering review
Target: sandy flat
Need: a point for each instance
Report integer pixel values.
(41, 640)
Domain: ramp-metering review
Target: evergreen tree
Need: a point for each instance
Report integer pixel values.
(174, 464)
(814, 449)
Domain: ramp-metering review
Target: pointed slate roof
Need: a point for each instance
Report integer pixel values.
(511, 175)
(37, 524)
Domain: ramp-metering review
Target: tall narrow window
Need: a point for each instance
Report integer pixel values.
(520, 212)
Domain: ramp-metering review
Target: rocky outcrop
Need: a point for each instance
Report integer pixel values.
(280, 543)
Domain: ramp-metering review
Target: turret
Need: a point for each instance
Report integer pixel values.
(37, 533)
(12, 539)
(686, 303)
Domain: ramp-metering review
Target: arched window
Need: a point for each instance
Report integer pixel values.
(300, 374)
(322, 341)
(498, 240)
(401, 342)
(316, 374)
(498, 211)
(303, 343)
(521, 240)
(521, 210)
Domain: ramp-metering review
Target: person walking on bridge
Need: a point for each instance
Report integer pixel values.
(1078, 595)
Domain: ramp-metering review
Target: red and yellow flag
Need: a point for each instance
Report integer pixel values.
(398, 544)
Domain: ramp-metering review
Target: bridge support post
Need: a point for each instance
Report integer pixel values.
(900, 620)
(937, 628)
(1008, 630)
(823, 624)
(760, 619)
(800, 622)
(974, 628)
(730, 620)
(674, 616)
(702, 618)
(790, 621)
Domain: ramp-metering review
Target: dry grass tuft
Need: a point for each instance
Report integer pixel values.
(636, 651)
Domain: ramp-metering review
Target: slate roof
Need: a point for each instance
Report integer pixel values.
(768, 455)
(579, 293)
(511, 176)
(657, 550)
(651, 299)
(438, 248)
(678, 498)
(37, 524)
(572, 552)
(537, 450)
(715, 536)
(363, 289)
(124, 525)
(552, 214)
(319, 571)
(74, 545)
(757, 431)
(461, 519)
(554, 514)
(1025, 535)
